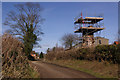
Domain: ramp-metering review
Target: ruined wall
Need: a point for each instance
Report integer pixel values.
(101, 41)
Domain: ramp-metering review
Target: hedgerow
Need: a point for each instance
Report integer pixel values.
(14, 62)
(109, 53)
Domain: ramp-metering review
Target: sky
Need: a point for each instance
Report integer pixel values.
(60, 17)
(59, 0)
(119, 21)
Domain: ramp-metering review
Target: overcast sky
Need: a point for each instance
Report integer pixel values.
(60, 19)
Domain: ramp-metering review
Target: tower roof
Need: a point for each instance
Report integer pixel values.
(88, 20)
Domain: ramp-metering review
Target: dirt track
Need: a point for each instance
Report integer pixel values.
(48, 70)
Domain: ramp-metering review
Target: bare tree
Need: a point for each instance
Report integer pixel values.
(26, 23)
(68, 40)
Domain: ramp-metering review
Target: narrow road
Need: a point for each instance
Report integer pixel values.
(48, 70)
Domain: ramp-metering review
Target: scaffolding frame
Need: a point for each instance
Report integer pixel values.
(89, 22)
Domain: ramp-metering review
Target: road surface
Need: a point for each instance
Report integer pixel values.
(47, 70)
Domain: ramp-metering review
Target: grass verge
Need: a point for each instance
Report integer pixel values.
(98, 69)
(32, 73)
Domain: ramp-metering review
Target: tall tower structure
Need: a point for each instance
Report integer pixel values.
(88, 26)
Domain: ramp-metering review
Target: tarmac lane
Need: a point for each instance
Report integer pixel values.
(48, 70)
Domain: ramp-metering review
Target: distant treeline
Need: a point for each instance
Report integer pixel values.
(109, 53)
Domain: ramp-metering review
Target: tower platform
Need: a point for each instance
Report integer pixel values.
(88, 29)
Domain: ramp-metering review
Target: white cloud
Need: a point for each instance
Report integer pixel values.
(45, 45)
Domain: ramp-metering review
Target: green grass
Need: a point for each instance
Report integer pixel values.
(98, 69)
(32, 73)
